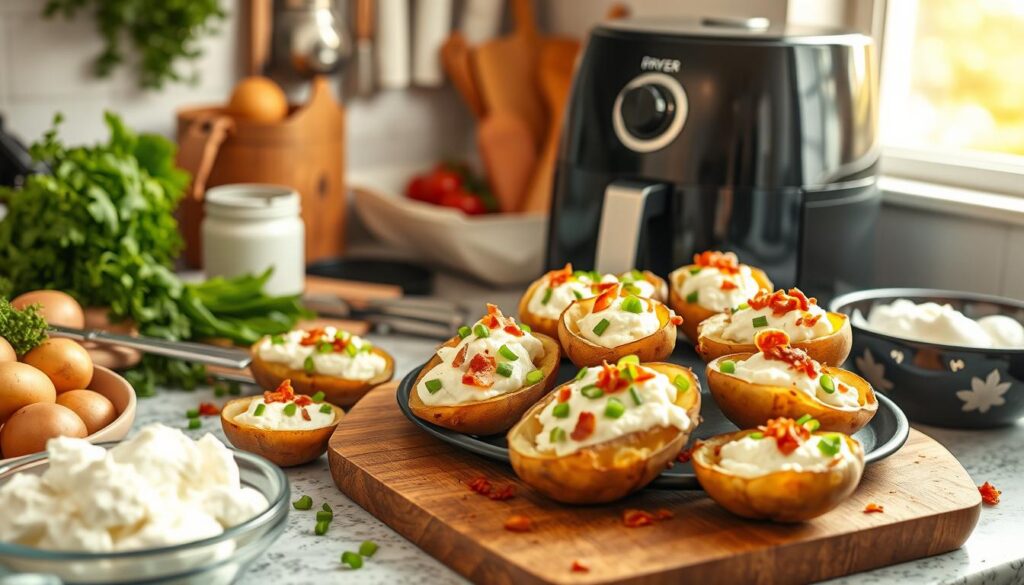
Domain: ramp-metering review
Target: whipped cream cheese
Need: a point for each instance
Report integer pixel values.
(749, 457)
(327, 351)
(758, 369)
(657, 408)
(156, 489)
(622, 326)
(714, 289)
(935, 323)
(487, 351)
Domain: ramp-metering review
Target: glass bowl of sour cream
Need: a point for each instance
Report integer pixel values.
(947, 358)
(214, 560)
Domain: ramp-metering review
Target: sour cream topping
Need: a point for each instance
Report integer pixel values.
(326, 351)
(749, 457)
(657, 408)
(616, 326)
(740, 326)
(758, 369)
(283, 410)
(935, 323)
(481, 361)
(158, 488)
(563, 287)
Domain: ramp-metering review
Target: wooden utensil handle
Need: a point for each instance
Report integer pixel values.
(364, 19)
(199, 147)
(523, 18)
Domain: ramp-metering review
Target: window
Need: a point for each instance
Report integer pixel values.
(953, 92)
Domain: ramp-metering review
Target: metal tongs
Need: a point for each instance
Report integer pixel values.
(200, 353)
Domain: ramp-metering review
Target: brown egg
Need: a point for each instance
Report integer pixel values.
(7, 352)
(28, 430)
(58, 308)
(21, 385)
(258, 99)
(95, 409)
(67, 363)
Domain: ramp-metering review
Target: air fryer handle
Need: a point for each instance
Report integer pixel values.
(627, 205)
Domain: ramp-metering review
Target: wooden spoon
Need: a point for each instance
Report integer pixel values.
(509, 156)
(455, 58)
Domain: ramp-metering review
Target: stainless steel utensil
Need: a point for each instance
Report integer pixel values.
(309, 38)
(432, 318)
(199, 353)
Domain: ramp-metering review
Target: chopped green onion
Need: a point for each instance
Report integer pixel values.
(534, 376)
(547, 296)
(635, 396)
(526, 328)
(342, 335)
(727, 367)
(321, 528)
(194, 423)
(219, 391)
(326, 409)
(829, 445)
(324, 516)
(827, 385)
(260, 409)
(192, 413)
(561, 410)
(629, 372)
(632, 289)
(742, 306)
(504, 370)
(578, 295)
(692, 297)
(581, 373)
(308, 365)
(319, 396)
(368, 548)
(303, 503)
(695, 269)
(595, 276)
(803, 419)
(351, 349)
(601, 327)
(464, 332)
(277, 339)
(634, 275)
(507, 353)
(481, 330)
(592, 392)
(756, 435)
(632, 304)
(557, 435)
(433, 385)
(812, 425)
(614, 408)
(761, 321)
(290, 408)
(627, 359)
(325, 347)
(353, 560)
(580, 274)
(681, 382)
(327, 508)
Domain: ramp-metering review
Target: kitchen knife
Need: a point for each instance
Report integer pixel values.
(200, 353)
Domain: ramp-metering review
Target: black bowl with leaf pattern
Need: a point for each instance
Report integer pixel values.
(934, 383)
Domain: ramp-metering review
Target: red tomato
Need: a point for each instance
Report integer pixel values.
(443, 181)
(464, 201)
(419, 189)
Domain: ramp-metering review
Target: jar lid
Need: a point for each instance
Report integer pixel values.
(252, 201)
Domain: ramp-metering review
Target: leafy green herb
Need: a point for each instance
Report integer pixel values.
(24, 330)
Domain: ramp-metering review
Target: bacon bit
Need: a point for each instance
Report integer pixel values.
(843, 388)
(686, 454)
(564, 395)
(610, 379)
(808, 320)
(774, 345)
(989, 494)
(514, 330)
(780, 302)
(675, 320)
(584, 426)
(284, 393)
(303, 400)
(480, 485)
(340, 344)
(604, 300)
(518, 523)
(503, 493)
(305, 414)
(643, 374)
(873, 508)
(559, 277)
(579, 567)
(481, 371)
(312, 336)
(787, 434)
(725, 262)
(663, 514)
(208, 409)
(600, 287)
(460, 358)
(729, 285)
(637, 518)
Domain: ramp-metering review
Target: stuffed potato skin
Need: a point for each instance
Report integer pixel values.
(607, 471)
(748, 405)
(781, 496)
(285, 448)
(694, 314)
(831, 349)
(652, 348)
(494, 415)
(338, 391)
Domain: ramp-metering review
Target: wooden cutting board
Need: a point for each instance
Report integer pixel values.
(416, 484)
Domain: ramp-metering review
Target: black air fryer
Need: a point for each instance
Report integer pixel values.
(683, 136)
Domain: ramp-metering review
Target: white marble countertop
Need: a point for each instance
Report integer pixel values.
(994, 555)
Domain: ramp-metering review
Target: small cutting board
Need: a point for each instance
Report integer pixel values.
(417, 485)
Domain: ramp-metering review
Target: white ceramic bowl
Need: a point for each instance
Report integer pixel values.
(499, 249)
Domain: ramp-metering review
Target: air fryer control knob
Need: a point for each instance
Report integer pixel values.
(647, 110)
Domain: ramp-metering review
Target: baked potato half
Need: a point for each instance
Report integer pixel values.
(582, 352)
(338, 391)
(748, 405)
(694, 314)
(831, 349)
(286, 448)
(606, 471)
(781, 496)
(494, 415)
